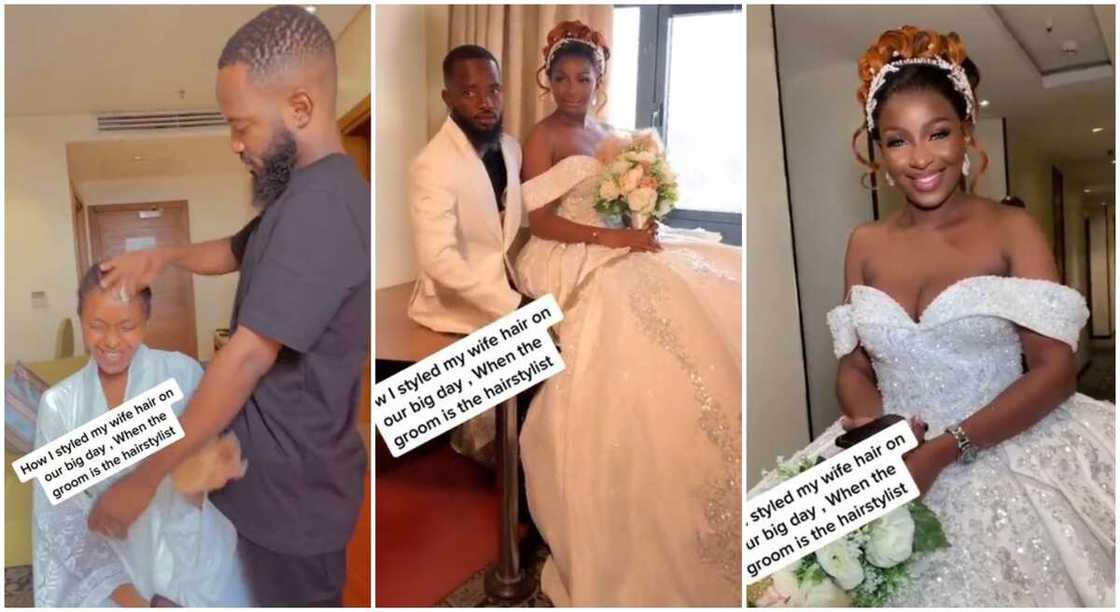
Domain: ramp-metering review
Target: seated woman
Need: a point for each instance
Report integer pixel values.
(182, 550)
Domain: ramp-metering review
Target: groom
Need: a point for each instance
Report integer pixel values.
(465, 196)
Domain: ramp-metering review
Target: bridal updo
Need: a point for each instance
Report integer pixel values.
(908, 43)
(573, 38)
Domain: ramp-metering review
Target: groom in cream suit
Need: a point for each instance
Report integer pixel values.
(465, 196)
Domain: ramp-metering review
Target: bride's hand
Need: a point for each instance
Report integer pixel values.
(635, 240)
(848, 423)
(927, 460)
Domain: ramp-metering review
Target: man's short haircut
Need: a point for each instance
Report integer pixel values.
(92, 282)
(276, 39)
(462, 53)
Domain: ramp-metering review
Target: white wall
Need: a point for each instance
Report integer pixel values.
(38, 232)
(827, 200)
(402, 94)
(1102, 234)
(777, 417)
(352, 52)
(218, 206)
(1030, 174)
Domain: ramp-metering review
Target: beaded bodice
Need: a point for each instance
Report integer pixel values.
(963, 350)
(574, 181)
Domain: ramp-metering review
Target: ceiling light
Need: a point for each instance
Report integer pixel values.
(984, 103)
(1098, 130)
(310, 9)
(1087, 190)
(137, 158)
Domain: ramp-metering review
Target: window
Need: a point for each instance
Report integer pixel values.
(681, 70)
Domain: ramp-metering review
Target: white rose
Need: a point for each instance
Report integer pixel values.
(642, 200)
(620, 167)
(630, 180)
(609, 190)
(891, 539)
(782, 591)
(824, 594)
(841, 561)
(645, 157)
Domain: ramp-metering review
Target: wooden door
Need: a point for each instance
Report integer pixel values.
(355, 128)
(116, 228)
(81, 235)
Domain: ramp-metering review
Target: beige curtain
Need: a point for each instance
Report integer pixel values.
(515, 34)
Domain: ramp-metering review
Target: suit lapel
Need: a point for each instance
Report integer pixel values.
(482, 192)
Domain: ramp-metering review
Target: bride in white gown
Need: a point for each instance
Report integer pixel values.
(944, 299)
(632, 454)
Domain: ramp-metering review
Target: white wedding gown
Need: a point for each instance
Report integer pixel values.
(632, 453)
(1031, 522)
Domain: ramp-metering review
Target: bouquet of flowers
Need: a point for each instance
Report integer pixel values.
(638, 184)
(864, 568)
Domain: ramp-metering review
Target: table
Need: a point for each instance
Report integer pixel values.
(400, 339)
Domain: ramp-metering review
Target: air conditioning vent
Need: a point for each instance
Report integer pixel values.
(177, 120)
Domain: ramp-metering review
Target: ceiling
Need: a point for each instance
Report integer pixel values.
(1061, 118)
(93, 59)
(155, 157)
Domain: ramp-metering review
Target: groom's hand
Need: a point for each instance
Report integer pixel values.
(119, 507)
(132, 272)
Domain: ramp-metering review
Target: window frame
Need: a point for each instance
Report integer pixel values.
(653, 92)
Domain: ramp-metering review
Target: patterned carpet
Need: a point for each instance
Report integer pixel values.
(472, 593)
(17, 587)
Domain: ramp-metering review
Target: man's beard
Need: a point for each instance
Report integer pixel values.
(478, 137)
(271, 179)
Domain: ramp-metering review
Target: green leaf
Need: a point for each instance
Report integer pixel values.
(809, 571)
(928, 534)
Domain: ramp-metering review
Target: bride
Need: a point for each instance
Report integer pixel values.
(944, 297)
(181, 550)
(632, 454)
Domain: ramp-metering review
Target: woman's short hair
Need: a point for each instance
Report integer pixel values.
(92, 282)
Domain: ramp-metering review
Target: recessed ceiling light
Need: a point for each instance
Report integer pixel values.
(137, 158)
(984, 103)
(1098, 130)
(310, 9)
(1087, 190)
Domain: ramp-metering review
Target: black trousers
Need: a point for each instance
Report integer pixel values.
(280, 580)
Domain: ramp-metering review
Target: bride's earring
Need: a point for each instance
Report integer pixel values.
(890, 179)
(966, 166)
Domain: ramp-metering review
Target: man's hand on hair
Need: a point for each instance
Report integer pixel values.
(132, 272)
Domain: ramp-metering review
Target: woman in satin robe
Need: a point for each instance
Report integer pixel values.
(182, 550)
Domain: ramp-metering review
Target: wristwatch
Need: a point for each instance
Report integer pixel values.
(967, 449)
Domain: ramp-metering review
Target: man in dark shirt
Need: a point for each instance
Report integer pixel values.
(287, 383)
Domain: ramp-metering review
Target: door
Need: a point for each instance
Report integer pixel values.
(355, 128)
(116, 228)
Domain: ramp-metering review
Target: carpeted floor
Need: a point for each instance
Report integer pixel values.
(472, 593)
(17, 587)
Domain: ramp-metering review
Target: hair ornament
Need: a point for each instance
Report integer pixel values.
(956, 75)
